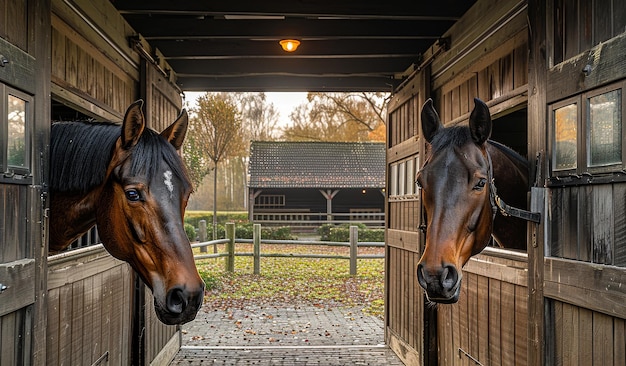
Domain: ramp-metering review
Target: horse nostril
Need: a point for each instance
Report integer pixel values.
(420, 276)
(176, 301)
(449, 277)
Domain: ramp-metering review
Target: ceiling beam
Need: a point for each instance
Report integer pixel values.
(444, 10)
(297, 83)
(304, 29)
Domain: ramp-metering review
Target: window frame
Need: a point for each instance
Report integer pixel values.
(583, 146)
(15, 174)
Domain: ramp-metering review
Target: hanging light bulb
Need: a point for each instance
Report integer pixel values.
(289, 45)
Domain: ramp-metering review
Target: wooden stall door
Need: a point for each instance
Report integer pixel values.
(584, 264)
(23, 80)
(407, 319)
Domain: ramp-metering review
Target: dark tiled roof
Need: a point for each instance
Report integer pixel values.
(317, 165)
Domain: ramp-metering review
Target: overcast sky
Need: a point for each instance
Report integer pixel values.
(284, 102)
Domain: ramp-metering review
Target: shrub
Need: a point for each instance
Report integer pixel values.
(324, 231)
(194, 217)
(191, 232)
(342, 233)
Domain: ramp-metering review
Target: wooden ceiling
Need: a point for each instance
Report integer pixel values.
(346, 45)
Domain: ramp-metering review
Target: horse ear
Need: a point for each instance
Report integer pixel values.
(430, 121)
(175, 133)
(133, 125)
(480, 122)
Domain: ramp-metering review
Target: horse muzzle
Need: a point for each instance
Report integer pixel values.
(181, 305)
(442, 284)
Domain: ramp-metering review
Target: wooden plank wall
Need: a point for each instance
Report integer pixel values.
(489, 323)
(13, 21)
(587, 222)
(585, 337)
(96, 74)
(405, 299)
(163, 99)
(89, 308)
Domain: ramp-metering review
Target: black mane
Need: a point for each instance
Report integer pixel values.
(80, 153)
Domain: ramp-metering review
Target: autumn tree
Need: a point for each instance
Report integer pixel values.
(339, 117)
(214, 135)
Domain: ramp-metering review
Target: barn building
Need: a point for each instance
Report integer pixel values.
(306, 184)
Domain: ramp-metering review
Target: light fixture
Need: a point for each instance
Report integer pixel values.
(289, 45)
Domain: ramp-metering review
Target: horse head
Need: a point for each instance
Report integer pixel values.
(140, 214)
(455, 185)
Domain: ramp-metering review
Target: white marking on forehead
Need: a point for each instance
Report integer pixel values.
(168, 181)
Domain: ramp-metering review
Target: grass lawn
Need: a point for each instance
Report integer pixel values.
(321, 282)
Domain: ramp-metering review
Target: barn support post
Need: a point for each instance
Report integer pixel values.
(230, 246)
(256, 239)
(354, 239)
(329, 194)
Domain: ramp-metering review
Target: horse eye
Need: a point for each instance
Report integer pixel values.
(480, 185)
(132, 195)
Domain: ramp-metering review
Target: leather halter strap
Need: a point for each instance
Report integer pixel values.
(497, 203)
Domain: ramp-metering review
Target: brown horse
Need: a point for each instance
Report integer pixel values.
(131, 182)
(458, 194)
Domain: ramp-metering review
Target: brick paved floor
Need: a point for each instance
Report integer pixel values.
(284, 335)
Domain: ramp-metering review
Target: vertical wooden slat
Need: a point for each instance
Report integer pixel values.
(602, 339)
(602, 224)
(619, 342)
(570, 328)
(507, 329)
(601, 21)
(462, 307)
(89, 312)
(77, 323)
(619, 214)
(570, 223)
(495, 322)
(585, 346)
(521, 325)
(52, 332)
(65, 324)
(483, 318)
(7, 330)
(558, 333)
(472, 312)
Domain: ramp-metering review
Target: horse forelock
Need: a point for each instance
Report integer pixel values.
(152, 149)
(450, 137)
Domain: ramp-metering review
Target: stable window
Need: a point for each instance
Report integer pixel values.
(587, 135)
(402, 178)
(16, 114)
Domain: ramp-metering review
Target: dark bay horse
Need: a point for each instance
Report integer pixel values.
(458, 193)
(131, 182)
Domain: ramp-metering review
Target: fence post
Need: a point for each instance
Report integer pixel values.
(256, 239)
(202, 234)
(230, 246)
(354, 239)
